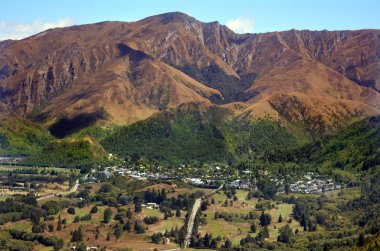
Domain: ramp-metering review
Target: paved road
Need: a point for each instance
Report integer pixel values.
(194, 211)
(190, 225)
(72, 190)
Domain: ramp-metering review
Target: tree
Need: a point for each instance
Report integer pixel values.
(204, 205)
(76, 219)
(105, 188)
(207, 240)
(287, 188)
(139, 228)
(128, 226)
(225, 204)
(321, 218)
(129, 213)
(94, 210)
(108, 236)
(58, 244)
(227, 244)
(156, 238)
(71, 210)
(265, 232)
(265, 219)
(59, 225)
(77, 235)
(178, 213)
(138, 207)
(253, 228)
(280, 218)
(150, 220)
(81, 247)
(361, 240)
(50, 228)
(38, 228)
(212, 200)
(285, 234)
(214, 244)
(118, 231)
(107, 215)
(194, 242)
(267, 187)
(249, 195)
(216, 215)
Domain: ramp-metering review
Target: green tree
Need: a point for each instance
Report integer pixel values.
(129, 213)
(287, 188)
(59, 225)
(77, 235)
(107, 215)
(178, 213)
(128, 226)
(265, 219)
(76, 219)
(105, 188)
(285, 234)
(81, 247)
(139, 228)
(265, 232)
(214, 244)
(50, 228)
(118, 231)
(227, 244)
(156, 238)
(138, 207)
(361, 240)
(71, 210)
(94, 210)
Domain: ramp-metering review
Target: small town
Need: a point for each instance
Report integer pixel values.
(215, 176)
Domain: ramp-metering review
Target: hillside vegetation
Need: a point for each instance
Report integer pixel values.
(205, 136)
(354, 148)
(71, 152)
(21, 137)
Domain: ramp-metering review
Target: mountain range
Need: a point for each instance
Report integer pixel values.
(118, 73)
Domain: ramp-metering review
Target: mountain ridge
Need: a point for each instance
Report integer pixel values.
(130, 70)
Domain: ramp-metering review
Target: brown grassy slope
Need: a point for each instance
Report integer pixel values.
(125, 69)
(131, 89)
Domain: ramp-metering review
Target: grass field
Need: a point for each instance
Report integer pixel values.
(236, 230)
(19, 225)
(51, 199)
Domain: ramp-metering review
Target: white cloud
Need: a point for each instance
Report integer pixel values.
(241, 25)
(15, 30)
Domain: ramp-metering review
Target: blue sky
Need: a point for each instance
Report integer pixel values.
(19, 18)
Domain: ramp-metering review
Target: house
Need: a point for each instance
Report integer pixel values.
(196, 181)
(152, 205)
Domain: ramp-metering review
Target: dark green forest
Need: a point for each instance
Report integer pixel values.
(205, 137)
